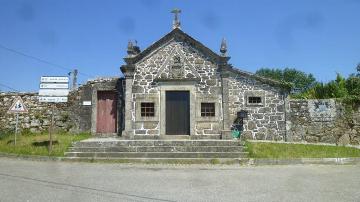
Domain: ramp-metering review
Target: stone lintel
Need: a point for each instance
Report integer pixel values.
(182, 80)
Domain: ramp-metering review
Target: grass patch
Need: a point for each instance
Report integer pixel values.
(37, 144)
(291, 151)
(214, 161)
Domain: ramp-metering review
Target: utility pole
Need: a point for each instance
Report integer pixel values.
(74, 79)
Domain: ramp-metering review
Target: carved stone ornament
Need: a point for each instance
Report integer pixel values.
(177, 69)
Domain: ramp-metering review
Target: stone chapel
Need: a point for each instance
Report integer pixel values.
(178, 92)
(177, 88)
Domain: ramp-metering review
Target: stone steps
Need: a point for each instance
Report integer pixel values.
(157, 154)
(103, 142)
(157, 150)
(165, 160)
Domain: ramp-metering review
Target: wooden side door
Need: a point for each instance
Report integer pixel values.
(106, 112)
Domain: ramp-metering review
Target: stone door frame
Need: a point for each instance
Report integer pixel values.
(177, 86)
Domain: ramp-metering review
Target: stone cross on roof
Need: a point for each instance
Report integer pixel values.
(176, 21)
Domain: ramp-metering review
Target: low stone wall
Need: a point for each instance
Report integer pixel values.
(38, 117)
(325, 121)
(73, 116)
(313, 121)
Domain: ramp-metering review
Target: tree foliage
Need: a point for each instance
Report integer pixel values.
(333, 89)
(353, 85)
(299, 79)
(347, 89)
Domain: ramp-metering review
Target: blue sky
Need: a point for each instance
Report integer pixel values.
(320, 37)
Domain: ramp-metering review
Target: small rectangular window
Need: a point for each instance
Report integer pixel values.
(147, 109)
(207, 109)
(254, 100)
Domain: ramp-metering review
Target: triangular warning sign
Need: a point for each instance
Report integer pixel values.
(18, 106)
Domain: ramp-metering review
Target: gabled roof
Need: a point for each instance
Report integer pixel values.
(178, 35)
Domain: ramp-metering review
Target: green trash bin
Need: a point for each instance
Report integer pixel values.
(236, 133)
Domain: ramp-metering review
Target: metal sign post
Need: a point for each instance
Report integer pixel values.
(16, 127)
(53, 89)
(17, 107)
(51, 128)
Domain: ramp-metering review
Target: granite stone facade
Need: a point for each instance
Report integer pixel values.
(156, 70)
(178, 62)
(266, 120)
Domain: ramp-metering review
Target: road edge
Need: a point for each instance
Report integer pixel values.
(240, 161)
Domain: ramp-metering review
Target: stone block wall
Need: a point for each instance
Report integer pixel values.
(265, 121)
(39, 117)
(89, 92)
(157, 68)
(325, 121)
(73, 116)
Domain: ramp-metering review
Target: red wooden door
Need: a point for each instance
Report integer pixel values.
(106, 112)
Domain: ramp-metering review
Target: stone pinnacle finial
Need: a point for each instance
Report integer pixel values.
(223, 47)
(176, 21)
(130, 48)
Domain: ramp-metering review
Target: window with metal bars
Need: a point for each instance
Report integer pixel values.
(147, 109)
(254, 100)
(207, 109)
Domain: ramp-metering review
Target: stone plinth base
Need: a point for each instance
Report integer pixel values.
(226, 135)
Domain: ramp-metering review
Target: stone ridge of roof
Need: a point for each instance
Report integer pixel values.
(179, 35)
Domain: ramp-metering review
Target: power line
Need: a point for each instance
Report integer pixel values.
(6, 86)
(41, 60)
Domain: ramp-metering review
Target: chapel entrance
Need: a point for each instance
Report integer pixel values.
(177, 113)
(106, 112)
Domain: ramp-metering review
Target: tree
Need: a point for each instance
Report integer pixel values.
(353, 85)
(299, 79)
(337, 88)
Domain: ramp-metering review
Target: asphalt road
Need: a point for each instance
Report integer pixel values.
(22, 180)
